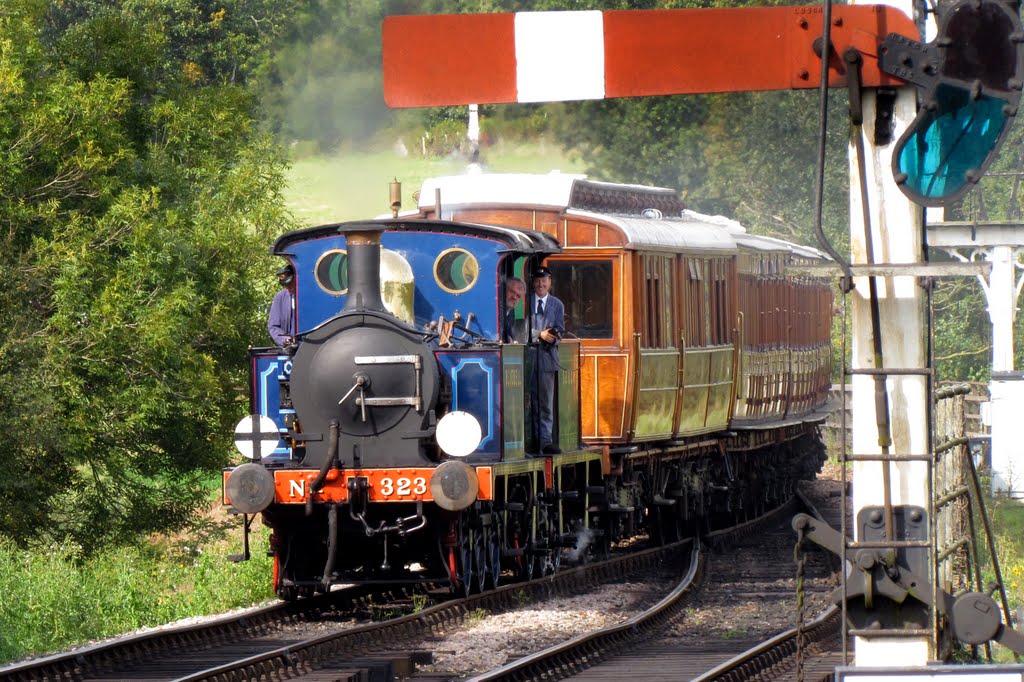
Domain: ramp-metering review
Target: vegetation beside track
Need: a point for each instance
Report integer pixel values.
(53, 597)
(1007, 517)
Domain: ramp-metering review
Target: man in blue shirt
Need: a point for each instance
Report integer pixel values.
(281, 323)
(548, 318)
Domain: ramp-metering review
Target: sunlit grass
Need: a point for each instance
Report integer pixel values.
(1007, 518)
(354, 185)
(51, 598)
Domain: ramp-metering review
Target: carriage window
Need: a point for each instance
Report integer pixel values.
(694, 298)
(585, 288)
(721, 326)
(659, 318)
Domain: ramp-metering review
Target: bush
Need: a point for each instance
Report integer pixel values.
(55, 598)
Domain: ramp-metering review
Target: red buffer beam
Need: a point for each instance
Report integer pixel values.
(557, 56)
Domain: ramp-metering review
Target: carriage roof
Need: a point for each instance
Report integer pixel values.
(650, 218)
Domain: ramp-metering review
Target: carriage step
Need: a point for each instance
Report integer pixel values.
(517, 551)
(596, 490)
(514, 506)
(662, 502)
(570, 494)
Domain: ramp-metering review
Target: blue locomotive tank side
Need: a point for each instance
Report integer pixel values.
(475, 377)
(266, 370)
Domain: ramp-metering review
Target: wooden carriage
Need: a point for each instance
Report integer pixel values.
(687, 324)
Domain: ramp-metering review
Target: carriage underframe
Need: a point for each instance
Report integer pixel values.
(569, 508)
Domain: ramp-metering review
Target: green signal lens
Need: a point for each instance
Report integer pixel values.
(945, 151)
(970, 79)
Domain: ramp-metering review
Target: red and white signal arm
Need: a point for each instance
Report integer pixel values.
(434, 60)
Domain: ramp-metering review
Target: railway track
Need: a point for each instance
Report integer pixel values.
(729, 629)
(310, 637)
(294, 640)
(171, 652)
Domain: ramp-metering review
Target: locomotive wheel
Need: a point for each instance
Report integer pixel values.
(552, 561)
(465, 577)
(530, 566)
(492, 546)
(601, 548)
(479, 558)
(667, 521)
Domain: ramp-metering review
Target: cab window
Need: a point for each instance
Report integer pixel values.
(585, 288)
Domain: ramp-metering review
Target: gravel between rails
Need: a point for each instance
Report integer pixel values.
(730, 607)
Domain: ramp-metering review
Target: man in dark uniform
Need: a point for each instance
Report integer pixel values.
(281, 322)
(548, 326)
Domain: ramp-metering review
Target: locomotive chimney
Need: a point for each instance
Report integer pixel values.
(363, 244)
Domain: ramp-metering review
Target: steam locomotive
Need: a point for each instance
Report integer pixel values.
(392, 441)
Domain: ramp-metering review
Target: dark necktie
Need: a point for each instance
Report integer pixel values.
(540, 308)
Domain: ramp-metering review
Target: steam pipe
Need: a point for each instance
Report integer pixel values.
(332, 456)
(332, 544)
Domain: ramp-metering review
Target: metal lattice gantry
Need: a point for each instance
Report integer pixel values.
(1001, 245)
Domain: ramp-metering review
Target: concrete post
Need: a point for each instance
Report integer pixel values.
(896, 237)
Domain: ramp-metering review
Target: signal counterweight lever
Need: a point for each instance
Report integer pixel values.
(974, 616)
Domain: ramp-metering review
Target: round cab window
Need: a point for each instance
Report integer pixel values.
(332, 272)
(456, 270)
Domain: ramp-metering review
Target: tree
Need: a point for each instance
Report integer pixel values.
(751, 156)
(137, 198)
(324, 85)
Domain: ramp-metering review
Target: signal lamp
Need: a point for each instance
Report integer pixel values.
(969, 81)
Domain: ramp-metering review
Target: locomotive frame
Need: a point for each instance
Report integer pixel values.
(695, 367)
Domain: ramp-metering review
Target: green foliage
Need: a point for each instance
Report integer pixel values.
(325, 85)
(137, 199)
(115, 592)
(354, 185)
(963, 333)
(751, 156)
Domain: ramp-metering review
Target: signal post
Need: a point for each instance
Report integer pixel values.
(890, 412)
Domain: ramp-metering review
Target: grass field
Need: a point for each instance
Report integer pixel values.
(355, 185)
